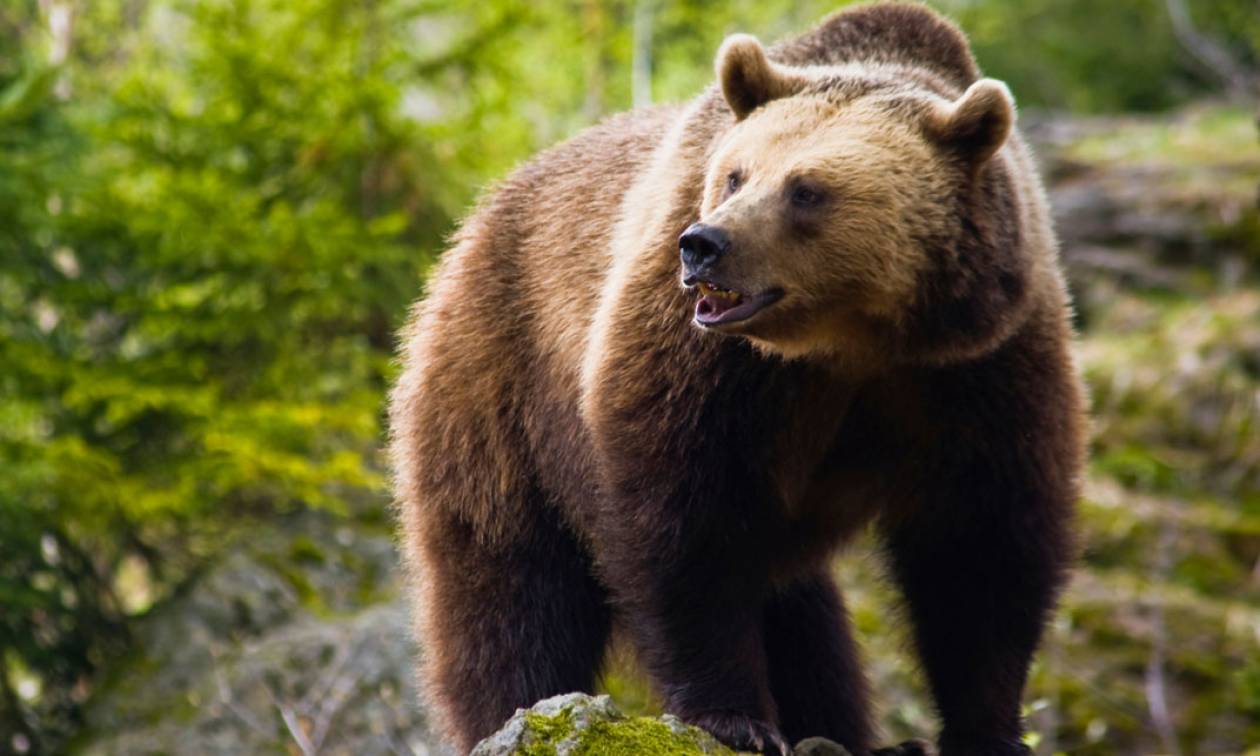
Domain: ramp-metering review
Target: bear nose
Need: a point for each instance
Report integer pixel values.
(702, 245)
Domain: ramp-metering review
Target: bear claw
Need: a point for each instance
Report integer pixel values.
(743, 733)
(908, 748)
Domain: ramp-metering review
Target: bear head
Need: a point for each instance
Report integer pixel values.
(857, 209)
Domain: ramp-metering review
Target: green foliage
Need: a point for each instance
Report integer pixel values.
(208, 235)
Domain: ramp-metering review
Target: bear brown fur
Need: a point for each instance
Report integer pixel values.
(591, 435)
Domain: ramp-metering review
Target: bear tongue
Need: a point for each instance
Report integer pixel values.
(712, 306)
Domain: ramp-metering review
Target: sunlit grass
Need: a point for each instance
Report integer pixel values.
(1197, 136)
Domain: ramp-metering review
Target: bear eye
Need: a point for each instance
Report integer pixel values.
(804, 196)
(733, 181)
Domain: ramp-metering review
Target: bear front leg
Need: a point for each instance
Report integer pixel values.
(504, 625)
(690, 599)
(696, 622)
(815, 674)
(690, 519)
(980, 563)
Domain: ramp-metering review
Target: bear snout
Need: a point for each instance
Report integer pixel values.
(701, 246)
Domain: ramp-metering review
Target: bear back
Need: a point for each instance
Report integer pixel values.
(896, 33)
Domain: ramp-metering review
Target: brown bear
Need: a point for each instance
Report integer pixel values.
(670, 366)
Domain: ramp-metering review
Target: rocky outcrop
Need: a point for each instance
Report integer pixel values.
(576, 724)
(295, 642)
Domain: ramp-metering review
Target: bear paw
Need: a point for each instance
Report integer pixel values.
(743, 733)
(953, 745)
(908, 748)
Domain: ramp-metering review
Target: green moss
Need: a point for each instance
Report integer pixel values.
(643, 735)
(545, 732)
(304, 550)
(619, 736)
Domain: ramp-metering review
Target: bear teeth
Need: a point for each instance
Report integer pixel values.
(709, 290)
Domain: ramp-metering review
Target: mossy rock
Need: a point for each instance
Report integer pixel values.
(576, 724)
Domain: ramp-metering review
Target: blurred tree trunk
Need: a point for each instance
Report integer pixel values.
(1241, 82)
(1216, 58)
(60, 19)
(641, 67)
(595, 32)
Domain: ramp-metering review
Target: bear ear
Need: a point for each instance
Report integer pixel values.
(748, 78)
(977, 124)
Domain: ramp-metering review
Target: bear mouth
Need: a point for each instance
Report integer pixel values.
(720, 306)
